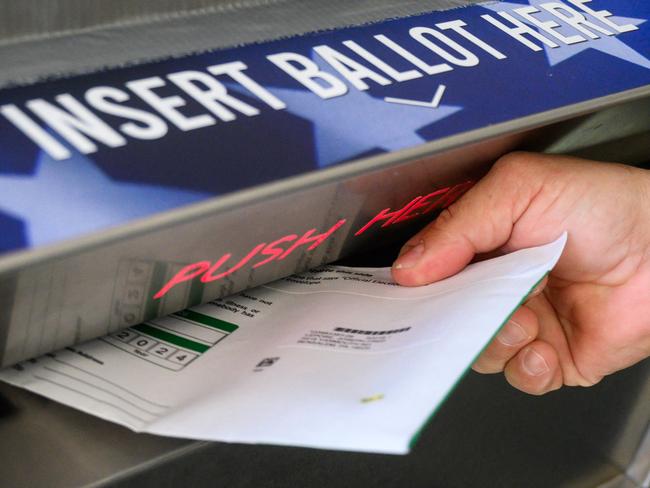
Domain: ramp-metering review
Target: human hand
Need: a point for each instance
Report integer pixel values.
(592, 316)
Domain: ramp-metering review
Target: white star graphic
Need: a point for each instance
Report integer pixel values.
(610, 45)
(357, 122)
(68, 198)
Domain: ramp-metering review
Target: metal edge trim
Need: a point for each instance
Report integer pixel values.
(314, 178)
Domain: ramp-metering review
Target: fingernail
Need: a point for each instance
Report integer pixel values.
(512, 334)
(534, 363)
(410, 258)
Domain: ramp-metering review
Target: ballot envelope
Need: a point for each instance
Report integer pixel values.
(155, 156)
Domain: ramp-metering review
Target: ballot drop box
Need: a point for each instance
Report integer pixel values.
(158, 155)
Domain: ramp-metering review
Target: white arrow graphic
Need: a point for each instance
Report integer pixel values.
(434, 103)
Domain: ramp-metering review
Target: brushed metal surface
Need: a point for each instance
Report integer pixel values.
(45, 38)
(639, 468)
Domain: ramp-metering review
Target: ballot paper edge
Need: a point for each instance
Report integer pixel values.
(416, 436)
(404, 448)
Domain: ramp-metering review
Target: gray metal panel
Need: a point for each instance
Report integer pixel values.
(639, 469)
(34, 19)
(86, 38)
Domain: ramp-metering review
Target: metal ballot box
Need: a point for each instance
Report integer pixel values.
(201, 228)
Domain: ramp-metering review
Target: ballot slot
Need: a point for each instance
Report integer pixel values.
(294, 339)
(394, 131)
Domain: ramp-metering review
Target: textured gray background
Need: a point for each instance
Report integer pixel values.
(43, 38)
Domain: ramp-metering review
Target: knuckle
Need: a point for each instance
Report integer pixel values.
(515, 163)
(446, 215)
(493, 359)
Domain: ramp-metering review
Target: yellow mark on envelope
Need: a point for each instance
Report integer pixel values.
(374, 398)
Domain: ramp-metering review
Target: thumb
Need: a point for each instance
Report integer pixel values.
(481, 221)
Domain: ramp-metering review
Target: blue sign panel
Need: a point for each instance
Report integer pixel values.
(92, 152)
